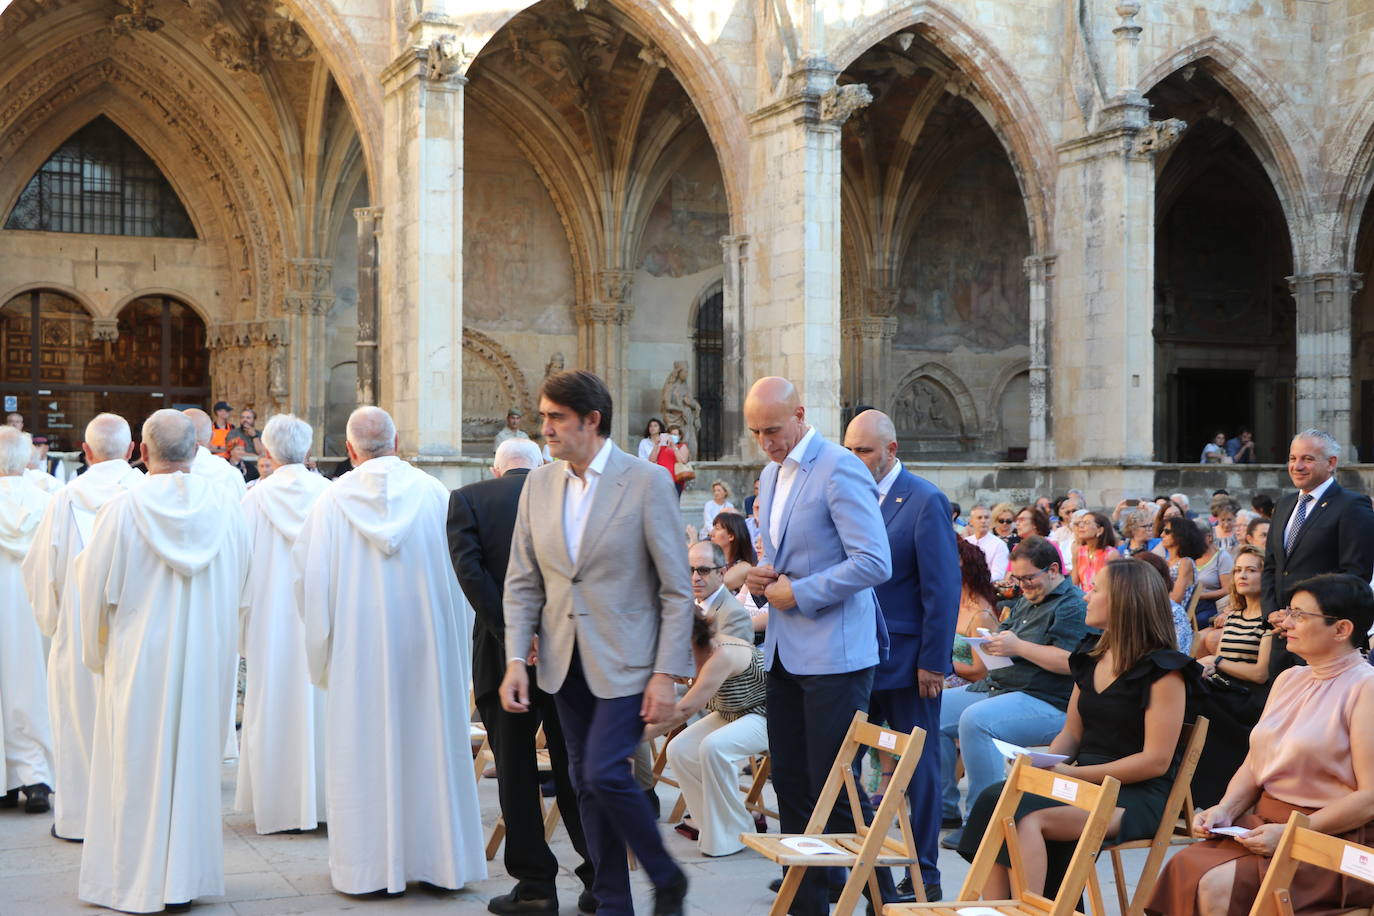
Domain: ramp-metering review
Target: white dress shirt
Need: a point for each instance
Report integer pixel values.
(888, 480)
(787, 476)
(577, 498)
(1311, 505)
(995, 551)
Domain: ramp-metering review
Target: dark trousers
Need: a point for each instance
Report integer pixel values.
(808, 717)
(904, 709)
(602, 736)
(512, 734)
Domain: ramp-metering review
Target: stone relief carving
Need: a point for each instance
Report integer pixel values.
(238, 52)
(248, 364)
(923, 409)
(492, 385)
(839, 102)
(680, 407)
(555, 365)
(138, 19)
(1159, 136)
(288, 41)
(446, 58)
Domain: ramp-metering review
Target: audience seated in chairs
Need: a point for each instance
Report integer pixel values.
(1095, 548)
(1312, 751)
(1183, 543)
(1132, 689)
(1183, 626)
(1212, 570)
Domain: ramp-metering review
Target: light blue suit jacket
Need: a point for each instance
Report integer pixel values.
(833, 546)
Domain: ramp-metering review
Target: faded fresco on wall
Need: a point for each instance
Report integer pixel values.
(962, 280)
(682, 235)
(517, 268)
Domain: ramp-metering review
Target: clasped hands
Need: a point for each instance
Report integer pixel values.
(776, 587)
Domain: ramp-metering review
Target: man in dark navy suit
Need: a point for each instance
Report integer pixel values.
(920, 604)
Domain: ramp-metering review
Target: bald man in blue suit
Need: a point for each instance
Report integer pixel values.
(920, 605)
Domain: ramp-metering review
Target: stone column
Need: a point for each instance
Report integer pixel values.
(420, 312)
(601, 340)
(369, 222)
(309, 297)
(1324, 347)
(1040, 273)
(737, 443)
(871, 346)
(796, 204)
(1102, 338)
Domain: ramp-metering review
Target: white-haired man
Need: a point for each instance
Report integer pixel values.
(26, 748)
(386, 635)
(160, 580)
(50, 574)
(209, 465)
(281, 763)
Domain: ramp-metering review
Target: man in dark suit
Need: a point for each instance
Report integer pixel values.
(920, 604)
(1322, 528)
(481, 518)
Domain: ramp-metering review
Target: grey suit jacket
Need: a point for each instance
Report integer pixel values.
(627, 601)
(731, 618)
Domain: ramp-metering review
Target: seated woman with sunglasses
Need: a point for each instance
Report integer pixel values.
(1312, 751)
(1131, 692)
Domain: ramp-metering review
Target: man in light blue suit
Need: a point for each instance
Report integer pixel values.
(825, 549)
(920, 606)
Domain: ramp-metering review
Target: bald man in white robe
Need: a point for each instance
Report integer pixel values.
(281, 762)
(50, 576)
(23, 669)
(160, 581)
(388, 636)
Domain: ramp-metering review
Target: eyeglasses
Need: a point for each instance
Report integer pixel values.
(1288, 613)
(704, 571)
(1005, 521)
(1026, 580)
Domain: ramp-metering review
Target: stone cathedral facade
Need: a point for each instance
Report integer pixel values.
(1047, 236)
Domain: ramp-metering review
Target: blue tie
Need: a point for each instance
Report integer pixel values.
(1299, 517)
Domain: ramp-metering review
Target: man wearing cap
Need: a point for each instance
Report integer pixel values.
(219, 438)
(45, 472)
(512, 430)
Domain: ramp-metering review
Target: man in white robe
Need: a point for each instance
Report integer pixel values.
(50, 575)
(23, 670)
(387, 635)
(214, 468)
(281, 762)
(160, 581)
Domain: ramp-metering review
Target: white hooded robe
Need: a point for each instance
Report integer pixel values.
(50, 575)
(281, 762)
(23, 662)
(387, 636)
(160, 581)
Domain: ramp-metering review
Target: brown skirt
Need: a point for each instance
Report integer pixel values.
(1316, 891)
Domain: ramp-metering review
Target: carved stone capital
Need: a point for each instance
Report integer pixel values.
(1324, 286)
(882, 300)
(105, 329)
(368, 214)
(869, 327)
(446, 59)
(653, 57)
(839, 102)
(614, 285)
(1158, 136)
(1039, 267)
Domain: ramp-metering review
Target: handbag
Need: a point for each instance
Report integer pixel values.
(684, 472)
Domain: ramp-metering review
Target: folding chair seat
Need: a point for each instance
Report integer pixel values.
(1299, 844)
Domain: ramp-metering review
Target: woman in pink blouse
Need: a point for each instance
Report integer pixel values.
(1096, 546)
(1312, 751)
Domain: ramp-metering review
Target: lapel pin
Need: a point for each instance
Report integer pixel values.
(899, 499)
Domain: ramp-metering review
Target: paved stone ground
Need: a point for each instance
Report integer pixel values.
(283, 874)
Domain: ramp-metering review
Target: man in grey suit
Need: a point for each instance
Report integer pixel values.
(599, 571)
(827, 547)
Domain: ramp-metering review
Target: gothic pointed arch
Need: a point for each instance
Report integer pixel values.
(100, 181)
(934, 412)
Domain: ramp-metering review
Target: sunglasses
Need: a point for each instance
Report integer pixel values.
(704, 571)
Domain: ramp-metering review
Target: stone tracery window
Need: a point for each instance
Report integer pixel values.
(62, 368)
(101, 181)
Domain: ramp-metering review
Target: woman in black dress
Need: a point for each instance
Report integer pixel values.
(1129, 702)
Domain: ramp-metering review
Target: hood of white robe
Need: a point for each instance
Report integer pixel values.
(102, 482)
(182, 517)
(287, 496)
(381, 499)
(22, 505)
(42, 480)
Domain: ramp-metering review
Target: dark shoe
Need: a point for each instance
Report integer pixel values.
(934, 892)
(10, 799)
(512, 903)
(36, 799)
(668, 901)
(586, 904)
(951, 823)
(688, 831)
(177, 907)
(760, 823)
(775, 885)
(951, 840)
(906, 895)
(654, 803)
(548, 788)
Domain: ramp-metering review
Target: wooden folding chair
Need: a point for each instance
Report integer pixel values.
(1300, 844)
(1098, 801)
(753, 793)
(1192, 607)
(1175, 826)
(869, 846)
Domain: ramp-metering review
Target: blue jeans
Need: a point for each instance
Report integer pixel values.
(975, 719)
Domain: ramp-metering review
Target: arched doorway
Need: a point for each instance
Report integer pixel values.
(62, 367)
(1225, 356)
